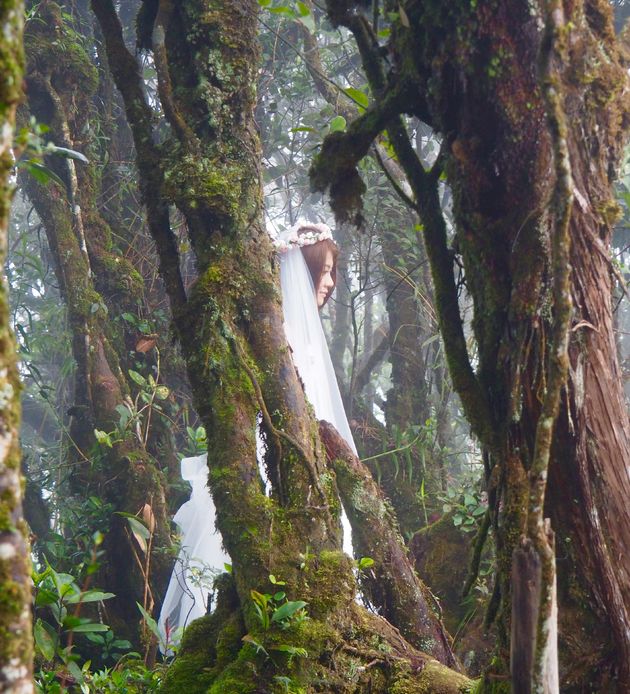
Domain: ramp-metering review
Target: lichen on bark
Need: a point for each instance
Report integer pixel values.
(16, 649)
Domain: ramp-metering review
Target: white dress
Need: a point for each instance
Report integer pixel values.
(201, 554)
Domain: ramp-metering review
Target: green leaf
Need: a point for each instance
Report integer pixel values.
(151, 623)
(258, 646)
(94, 638)
(103, 438)
(42, 174)
(303, 9)
(365, 563)
(162, 392)
(137, 378)
(293, 650)
(45, 640)
(67, 153)
(75, 670)
(138, 527)
(89, 627)
(122, 643)
(264, 3)
(70, 621)
(64, 582)
(337, 124)
(358, 96)
(90, 596)
(45, 597)
(287, 610)
(286, 11)
(259, 598)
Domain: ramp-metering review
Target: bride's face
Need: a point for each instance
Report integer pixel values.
(326, 282)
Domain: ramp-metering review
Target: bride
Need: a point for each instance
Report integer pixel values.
(308, 274)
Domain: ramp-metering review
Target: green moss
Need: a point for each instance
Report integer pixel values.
(201, 182)
(434, 678)
(52, 45)
(329, 583)
(209, 645)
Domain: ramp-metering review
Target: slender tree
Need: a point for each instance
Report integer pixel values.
(16, 651)
(96, 281)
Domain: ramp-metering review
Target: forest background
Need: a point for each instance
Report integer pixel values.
(141, 293)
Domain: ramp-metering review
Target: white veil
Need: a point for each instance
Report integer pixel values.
(305, 335)
(201, 549)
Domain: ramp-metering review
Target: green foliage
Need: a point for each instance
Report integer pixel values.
(32, 148)
(65, 662)
(58, 600)
(276, 609)
(275, 612)
(365, 563)
(196, 441)
(467, 506)
(134, 416)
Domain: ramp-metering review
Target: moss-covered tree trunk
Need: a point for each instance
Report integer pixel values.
(471, 71)
(16, 649)
(97, 284)
(229, 324)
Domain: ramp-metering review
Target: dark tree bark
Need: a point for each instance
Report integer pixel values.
(16, 645)
(229, 324)
(471, 72)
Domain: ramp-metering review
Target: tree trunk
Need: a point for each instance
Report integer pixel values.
(95, 283)
(229, 324)
(470, 71)
(16, 646)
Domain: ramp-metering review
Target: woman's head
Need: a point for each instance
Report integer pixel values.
(321, 260)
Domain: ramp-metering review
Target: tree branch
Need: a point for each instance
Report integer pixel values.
(393, 585)
(368, 366)
(129, 81)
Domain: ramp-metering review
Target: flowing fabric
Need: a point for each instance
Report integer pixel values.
(305, 335)
(201, 554)
(186, 598)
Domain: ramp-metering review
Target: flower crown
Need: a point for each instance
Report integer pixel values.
(315, 232)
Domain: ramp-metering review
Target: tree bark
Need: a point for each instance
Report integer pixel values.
(470, 72)
(16, 645)
(229, 323)
(95, 283)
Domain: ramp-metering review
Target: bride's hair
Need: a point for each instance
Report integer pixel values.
(315, 257)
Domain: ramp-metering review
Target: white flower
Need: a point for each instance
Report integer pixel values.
(315, 233)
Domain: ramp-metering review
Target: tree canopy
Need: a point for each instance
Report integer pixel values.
(472, 157)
